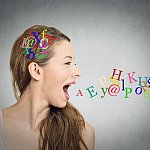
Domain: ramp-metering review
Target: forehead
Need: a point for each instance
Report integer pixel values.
(63, 48)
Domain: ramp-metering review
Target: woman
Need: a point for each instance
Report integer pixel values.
(42, 66)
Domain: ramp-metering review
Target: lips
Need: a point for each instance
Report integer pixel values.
(65, 88)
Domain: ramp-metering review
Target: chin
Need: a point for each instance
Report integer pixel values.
(61, 104)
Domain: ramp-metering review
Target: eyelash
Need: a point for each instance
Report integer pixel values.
(68, 63)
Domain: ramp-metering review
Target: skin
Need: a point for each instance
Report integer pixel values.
(21, 120)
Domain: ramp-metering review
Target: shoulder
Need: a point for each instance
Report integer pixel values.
(88, 135)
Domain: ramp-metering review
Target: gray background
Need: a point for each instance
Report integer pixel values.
(106, 34)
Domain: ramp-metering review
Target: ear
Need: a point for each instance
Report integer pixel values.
(35, 71)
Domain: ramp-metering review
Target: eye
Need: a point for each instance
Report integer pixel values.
(68, 63)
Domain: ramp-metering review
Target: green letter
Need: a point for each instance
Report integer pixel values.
(127, 92)
(91, 91)
(104, 92)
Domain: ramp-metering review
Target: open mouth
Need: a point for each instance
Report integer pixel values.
(65, 88)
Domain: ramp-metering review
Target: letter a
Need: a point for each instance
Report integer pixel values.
(79, 92)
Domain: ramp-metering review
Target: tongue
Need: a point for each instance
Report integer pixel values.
(66, 93)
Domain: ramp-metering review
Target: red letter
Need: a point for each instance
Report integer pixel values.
(120, 71)
(50, 38)
(79, 92)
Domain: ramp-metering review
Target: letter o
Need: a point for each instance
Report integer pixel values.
(136, 90)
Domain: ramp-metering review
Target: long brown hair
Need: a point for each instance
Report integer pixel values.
(62, 128)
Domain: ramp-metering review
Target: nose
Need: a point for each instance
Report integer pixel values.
(76, 73)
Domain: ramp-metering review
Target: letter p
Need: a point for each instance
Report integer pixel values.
(102, 80)
(128, 91)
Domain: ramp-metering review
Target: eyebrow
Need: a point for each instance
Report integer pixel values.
(69, 57)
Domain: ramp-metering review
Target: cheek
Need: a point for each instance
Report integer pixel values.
(55, 77)
(50, 77)
(51, 83)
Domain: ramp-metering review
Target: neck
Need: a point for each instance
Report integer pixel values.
(32, 108)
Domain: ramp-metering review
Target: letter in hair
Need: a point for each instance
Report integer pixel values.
(36, 36)
(50, 38)
(43, 33)
(41, 56)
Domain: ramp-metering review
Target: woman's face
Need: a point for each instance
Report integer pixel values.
(59, 73)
